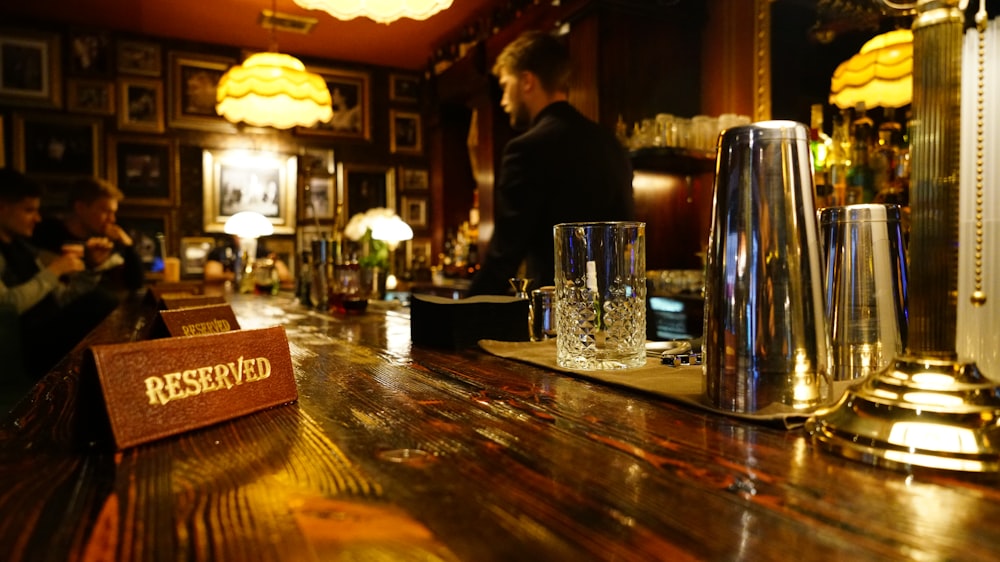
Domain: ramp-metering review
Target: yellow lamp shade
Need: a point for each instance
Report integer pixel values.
(381, 11)
(273, 90)
(881, 74)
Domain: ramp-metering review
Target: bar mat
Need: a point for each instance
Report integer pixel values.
(679, 384)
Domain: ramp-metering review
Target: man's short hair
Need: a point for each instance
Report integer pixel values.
(539, 53)
(88, 190)
(15, 186)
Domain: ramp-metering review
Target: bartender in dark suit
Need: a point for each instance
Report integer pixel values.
(564, 168)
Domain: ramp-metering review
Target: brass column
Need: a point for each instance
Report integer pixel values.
(926, 409)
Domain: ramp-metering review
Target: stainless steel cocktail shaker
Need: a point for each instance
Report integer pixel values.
(765, 338)
(865, 284)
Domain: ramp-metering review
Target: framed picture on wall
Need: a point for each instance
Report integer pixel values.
(404, 88)
(404, 132)
(413, 211)
(418, 250)
(192, 84)
(57, 145)
(90, 96)
(152, 232)
(144, 168)
(88, 53)
(317, 185)
(141, 103)
(349, 95)
(319, 198)
(413, 179)
(365, 186)
(3, 148)
(139, 57)
(240, 180)
(194, 252)
(29, 69)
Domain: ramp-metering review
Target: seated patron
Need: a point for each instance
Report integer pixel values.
(54, 295)
(92, 213)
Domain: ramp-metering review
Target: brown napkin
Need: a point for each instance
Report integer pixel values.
(680, 384)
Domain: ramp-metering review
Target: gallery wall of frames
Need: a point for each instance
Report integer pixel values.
(140, 112)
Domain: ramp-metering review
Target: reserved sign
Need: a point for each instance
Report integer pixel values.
(200, 320)
(157, 388)
(188, 301)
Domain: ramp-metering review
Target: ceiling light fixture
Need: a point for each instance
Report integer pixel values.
(272, 89)
(381, 11)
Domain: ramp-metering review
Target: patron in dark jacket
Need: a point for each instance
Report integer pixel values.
(564, 168)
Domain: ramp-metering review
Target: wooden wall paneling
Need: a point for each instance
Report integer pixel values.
(649, 62)
(728, 82)
(584, 91)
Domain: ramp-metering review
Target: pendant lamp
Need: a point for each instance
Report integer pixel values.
(272, 89)
(880, 75)
(381, 11)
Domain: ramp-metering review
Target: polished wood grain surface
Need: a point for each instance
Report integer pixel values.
(401, 453)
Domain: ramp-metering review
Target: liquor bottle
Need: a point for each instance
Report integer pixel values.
(860, 178)
(885, 158)
(839, 159)
(820, 146)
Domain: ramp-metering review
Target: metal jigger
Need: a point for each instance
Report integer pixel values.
(927, 408)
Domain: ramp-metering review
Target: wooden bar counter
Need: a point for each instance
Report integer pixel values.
(395, 452)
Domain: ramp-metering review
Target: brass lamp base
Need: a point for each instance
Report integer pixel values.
(927, 412)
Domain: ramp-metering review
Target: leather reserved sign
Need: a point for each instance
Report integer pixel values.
(187, 301)
(200, 320)
(157, 388)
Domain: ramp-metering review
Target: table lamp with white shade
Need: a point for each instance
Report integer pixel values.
(247, 226)
(392, 231)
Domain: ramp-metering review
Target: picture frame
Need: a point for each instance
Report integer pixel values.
(89, 53)
(283, 250)
(350, 94)
(30, 69)
(96, 97)
(141, 105)
(405, 132)
(145, 169)
(139, 57)
(317, 163)
(192, 83)
(3, 147)
(319, 198)
(413, 179)
(194, 251)
(317, 185)
(415, 248)
(153, 235)
(404, 88)
(53, 145)
(413, 211)
(243, 180)
(365, 186)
